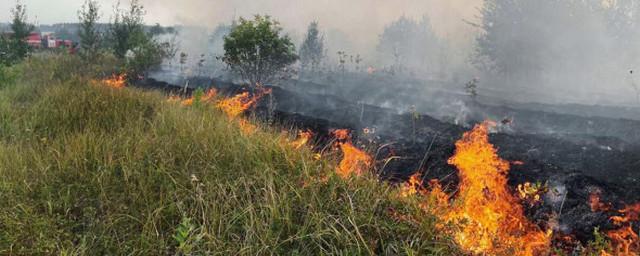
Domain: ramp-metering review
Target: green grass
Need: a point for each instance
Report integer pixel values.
(90, 170)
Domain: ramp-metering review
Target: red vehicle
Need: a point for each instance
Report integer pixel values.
(34, 40)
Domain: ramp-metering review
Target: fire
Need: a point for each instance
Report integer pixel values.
(595, 203)
(625, 240)
(210, 95)
(489, 220)
(412, 186)
(236, 105)
(116, 81)
(173, 98)
(187, 102)
(531, 192)
(354, 160)
(342, 134)
(246, 127)
(303, 139)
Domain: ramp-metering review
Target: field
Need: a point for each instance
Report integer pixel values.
(87, 169)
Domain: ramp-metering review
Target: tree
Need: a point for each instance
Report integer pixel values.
(257, 52)
(408, 42)
(15, 48)
(127, 30)
(157, 29)
(140, 51)
(547, 43)
(312, 49)
(88, 33)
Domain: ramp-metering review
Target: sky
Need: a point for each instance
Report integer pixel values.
(363, 19)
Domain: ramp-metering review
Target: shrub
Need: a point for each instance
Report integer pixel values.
(257, 52)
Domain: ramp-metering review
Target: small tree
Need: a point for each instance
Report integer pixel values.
(471, 88)
(257, 52)
(408, 43)
(16, 48)
(127, 30)
(312, 49)
(140, 51)
(88, 33)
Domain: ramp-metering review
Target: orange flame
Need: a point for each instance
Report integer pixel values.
(187, 102)
(116, 81)
(247, 127)
(207, 97)
(412, 186)
(341, 134)
(173, 98)
(596, 204)
(489, 220)
(531, 192)
(238, 104)
(354, 160)
(210, 95)
(303, 139)
(625, 240)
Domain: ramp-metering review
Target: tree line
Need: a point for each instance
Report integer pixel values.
(126, 38)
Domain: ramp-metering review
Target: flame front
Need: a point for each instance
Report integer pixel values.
(116, 81)
(354, 160)
(210, 95)
(488, 218)
(625, 240)
(240, 103)
(233, 107)
(303, 139)
(412, 186)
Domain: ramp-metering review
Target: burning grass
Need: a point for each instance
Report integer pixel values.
(487, 217)
(87, 170)
(116, 81)
(91, 170)
(354, 160)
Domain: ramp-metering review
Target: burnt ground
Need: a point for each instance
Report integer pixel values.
(447, 101)
(405, 143)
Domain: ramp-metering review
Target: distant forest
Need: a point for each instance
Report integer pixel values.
(69, 31)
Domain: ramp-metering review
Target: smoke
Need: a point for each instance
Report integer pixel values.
(555, 54)
(361, 20)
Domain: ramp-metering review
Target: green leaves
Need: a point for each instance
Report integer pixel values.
(130, 41)
(15, 48)
(257, 52)
(183, 231)
(186, 237)
(89, 35)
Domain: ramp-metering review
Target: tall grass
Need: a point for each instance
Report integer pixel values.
(90, 170)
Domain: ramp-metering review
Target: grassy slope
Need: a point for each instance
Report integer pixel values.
(92, 170)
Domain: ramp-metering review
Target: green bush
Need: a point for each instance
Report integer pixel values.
(257, 51)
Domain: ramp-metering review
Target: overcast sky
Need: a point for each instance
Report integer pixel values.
(363, 18)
